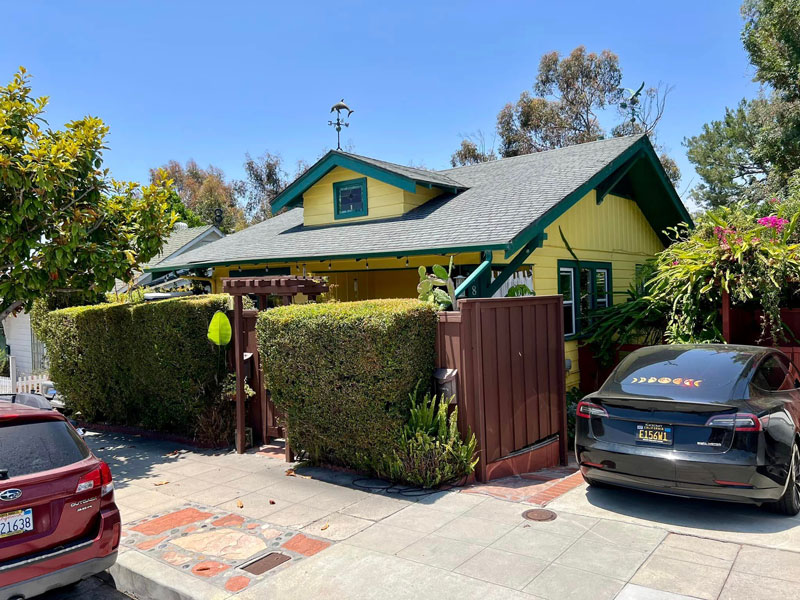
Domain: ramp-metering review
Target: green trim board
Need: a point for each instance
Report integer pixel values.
(515, 263)
(642, 147)
(446, 251)
(593, 267)
(343, 186)
(294, 191)
(473, 278)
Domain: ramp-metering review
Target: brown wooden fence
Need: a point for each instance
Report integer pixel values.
(509, 354)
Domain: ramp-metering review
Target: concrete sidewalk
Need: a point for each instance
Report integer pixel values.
(194, 519)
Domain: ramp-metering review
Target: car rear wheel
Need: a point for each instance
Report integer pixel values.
(789, 504)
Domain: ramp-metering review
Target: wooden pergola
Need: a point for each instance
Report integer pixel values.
(285, 286)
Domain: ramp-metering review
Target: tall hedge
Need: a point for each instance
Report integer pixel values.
(147, 365)
(342, 373)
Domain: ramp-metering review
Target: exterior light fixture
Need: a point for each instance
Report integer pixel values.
(406, 261)
(330, 265)
(366, 263)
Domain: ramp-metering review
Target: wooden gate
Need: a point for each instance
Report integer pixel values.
(509, 353)
(261, 415)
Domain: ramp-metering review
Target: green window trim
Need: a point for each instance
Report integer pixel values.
(346, 185)
(569, 280)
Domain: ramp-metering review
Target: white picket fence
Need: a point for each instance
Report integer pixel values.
(20, 385)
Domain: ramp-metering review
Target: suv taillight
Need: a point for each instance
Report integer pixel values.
(738, 422)
(587, 410)
(99, 478)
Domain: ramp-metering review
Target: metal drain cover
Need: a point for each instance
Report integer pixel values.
(539, 514)
(265, 563)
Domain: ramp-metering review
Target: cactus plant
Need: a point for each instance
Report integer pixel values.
(431, 286)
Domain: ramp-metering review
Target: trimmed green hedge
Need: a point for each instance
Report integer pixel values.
(342, 374)
(147, 365)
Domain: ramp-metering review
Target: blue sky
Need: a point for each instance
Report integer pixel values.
(213, 80)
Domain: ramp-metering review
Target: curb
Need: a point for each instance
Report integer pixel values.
(145, 578)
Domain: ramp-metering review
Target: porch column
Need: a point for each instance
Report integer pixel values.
(238, 348)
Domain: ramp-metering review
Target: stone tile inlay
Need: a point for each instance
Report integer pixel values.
(213, 544)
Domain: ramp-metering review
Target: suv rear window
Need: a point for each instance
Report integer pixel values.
(27, 448)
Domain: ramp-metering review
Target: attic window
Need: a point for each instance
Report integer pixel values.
(350, 198)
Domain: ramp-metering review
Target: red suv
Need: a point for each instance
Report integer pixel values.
(58, 519)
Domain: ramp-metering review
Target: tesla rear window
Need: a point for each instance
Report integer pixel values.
(679, 372)
(33, 447)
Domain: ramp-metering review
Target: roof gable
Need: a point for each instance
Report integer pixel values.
(405, 178)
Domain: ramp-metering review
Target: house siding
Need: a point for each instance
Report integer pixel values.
(614, 232)
(18, 337)
(383, 200)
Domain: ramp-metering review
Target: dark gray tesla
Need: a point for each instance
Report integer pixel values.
(706, 421)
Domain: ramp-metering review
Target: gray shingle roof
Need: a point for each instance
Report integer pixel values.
(177, 240)
(434, 177)
(503, 198)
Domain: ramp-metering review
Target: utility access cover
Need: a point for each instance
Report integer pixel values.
(265, 563)
(539, 514)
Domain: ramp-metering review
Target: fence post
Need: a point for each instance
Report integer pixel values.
(12, 371)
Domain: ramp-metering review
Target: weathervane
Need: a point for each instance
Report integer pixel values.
(338, 123)
(633, 102)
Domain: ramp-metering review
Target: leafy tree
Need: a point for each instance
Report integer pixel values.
(203, 192)
(771, 36)
(265, 178)
(753, 151)
(66, 227)
(472, 151)
(564, 108)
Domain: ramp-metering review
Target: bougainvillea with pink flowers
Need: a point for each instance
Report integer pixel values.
(755, 259)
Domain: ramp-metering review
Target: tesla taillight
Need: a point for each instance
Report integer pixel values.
(738, 422)
(587, 410)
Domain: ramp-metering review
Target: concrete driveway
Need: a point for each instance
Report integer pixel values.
(194, 521)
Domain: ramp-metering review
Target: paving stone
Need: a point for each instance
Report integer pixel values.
(176, 558)
(419, 518)
(237, 583)
(150, 502)
(534, 543)
(305, 545)
(128, 515)
(777, 564)
(451, 501)
(228, 521)
(674, 553)
(255, 505)
(503, 568)
(681, 577)
(214, 495)
(473, 530)
(375, 507)
(714, 548)
(440, 552)
(385, 538)
(499, 511)
(740, 586)
(171, 521)
(634, 537)
(296, 516)
(151, 543)
(565, 524)
(337, 526)
(220, 475)
(254, 482)
(614, 561)
(638, 592)
(191, 468)
(209, 568)
(558, 582)
(336, 499)
(224, 543)
(295, 489)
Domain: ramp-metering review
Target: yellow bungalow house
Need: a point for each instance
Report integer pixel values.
(368, 225)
